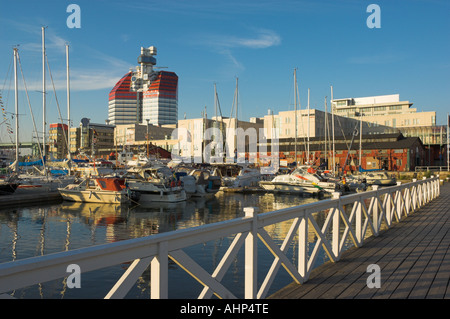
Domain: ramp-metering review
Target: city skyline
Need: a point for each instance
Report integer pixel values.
(214, 42)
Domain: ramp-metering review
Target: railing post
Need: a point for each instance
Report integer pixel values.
(159, 273)
(424, 191)
(251, 254)
(303, 246)
(414, 195)
(336, 225)
(375, 212)
(399, 199)
(358, 222)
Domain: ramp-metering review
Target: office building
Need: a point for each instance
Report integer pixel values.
(144, 94)
(385, 110)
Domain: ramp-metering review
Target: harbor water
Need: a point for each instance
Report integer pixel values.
(39, 230)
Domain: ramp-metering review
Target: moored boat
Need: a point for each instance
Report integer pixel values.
(237, 176)
(99, 190)
(154, 184)
(301, 180)
(8, 188)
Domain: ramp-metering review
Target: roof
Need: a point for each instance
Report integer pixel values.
(369, 142)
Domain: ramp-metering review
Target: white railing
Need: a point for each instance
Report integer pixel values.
(351, 217)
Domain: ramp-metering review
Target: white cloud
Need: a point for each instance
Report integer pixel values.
(262, 39)
(226, 44)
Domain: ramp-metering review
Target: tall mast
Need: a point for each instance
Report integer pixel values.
(68, 101)
(332, 130)
(215, 102)
(325, 133)
(237, 99)
(295, 115)
(43, 94)
(16, 96)
(308, 128)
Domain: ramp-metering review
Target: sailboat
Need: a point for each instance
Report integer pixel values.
(41, 181)
(302, 179)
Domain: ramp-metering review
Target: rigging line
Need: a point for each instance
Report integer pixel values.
(297, 93)
(7, 73)
(342, 130)
(7, 101)
(57, 103)
(31, 110)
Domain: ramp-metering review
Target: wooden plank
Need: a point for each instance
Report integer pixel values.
(423, 284)
(414, 257)
(380, 253)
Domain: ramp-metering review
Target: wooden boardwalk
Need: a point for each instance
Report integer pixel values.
(413, 256)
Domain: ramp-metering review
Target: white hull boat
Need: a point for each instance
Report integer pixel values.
(237, 176)
(155, 184)
(300, 180)
(153, 192)
(98, 190)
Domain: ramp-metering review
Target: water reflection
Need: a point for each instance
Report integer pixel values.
(34, 231)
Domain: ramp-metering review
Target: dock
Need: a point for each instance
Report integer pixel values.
(34, 198)
(413, 258)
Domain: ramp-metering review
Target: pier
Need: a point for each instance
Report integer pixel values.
(36, 198)
(399, 222)
(413, 256)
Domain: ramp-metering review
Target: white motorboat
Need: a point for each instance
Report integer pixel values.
(110, 190)
(237, 176)
(381, 178)
(201, 183)
(155, 184)
(302, 179)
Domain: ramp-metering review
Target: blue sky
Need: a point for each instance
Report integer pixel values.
(206, 42)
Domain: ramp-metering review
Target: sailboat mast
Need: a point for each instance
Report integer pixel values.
(43, 95)
(68, 101)
(16, 103)
(308, 129)
(295, 115)
(325, 133)
(332, 130)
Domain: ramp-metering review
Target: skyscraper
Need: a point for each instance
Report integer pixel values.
(159, 103)
(145, 94)
(124, 104)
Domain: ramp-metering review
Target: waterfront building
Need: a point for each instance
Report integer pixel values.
(385, 110)
(398, 117)
(192, 141)
(315, 123)
(393, 152)
(144, 94)
(124, 104)
(57, 146)
(92, 139)
(143, 138)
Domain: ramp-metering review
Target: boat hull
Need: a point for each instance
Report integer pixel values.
(162, 196)
(284, 187)
(8, 188)
(94, 196)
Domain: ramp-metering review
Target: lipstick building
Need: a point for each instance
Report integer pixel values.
(144, 95)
